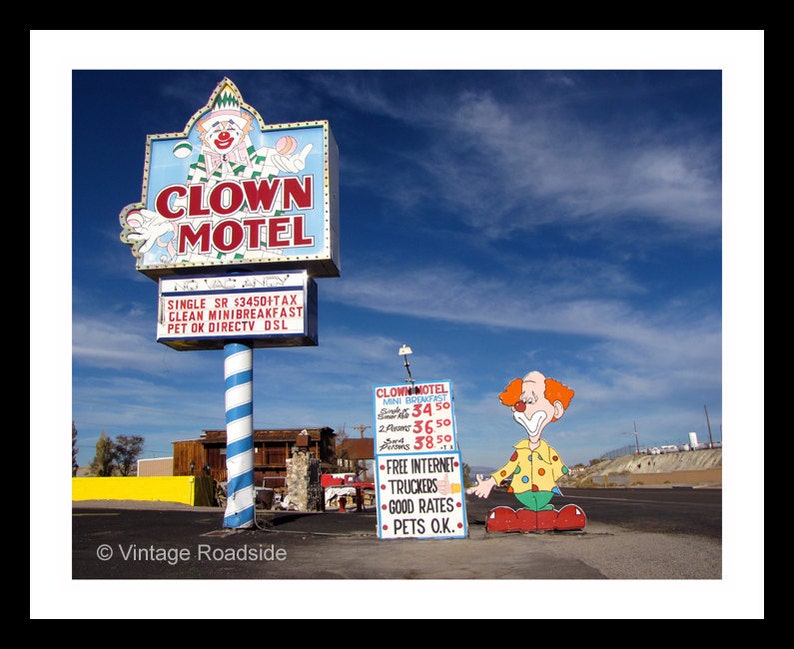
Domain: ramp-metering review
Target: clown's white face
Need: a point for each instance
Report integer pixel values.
(224, 134)
(534, 410)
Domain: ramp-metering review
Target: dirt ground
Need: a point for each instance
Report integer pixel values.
(704, 477)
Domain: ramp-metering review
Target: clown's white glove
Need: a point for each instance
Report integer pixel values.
(291, 163)
(147, 226)
(483, 488)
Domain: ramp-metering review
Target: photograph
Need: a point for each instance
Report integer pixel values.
(349, 314)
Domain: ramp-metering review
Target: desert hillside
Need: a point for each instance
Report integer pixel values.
(703, 467)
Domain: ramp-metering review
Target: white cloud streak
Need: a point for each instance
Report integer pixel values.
(490, 158)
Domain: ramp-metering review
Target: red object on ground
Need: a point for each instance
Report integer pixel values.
(546, 519)
(506, 519)
(570, 517)
(502, 519)
(527, 520)
(343, 480)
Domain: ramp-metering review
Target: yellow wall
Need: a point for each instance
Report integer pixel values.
(179, 489)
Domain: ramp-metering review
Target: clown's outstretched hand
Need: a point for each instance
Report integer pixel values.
(145, 227)
(292, 163)
(483, 487)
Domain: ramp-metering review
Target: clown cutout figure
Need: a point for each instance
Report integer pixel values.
(534, 467)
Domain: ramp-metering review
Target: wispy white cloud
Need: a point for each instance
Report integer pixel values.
(490, 158)
(457, 295)
(116, 342)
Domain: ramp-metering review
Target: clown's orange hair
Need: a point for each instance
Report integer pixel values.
(512, 392)
(556, 391)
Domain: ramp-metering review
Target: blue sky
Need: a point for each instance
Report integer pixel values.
(594, 212)
(496, 221)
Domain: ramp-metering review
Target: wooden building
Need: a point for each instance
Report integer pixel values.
(272, 449)
(356, 455)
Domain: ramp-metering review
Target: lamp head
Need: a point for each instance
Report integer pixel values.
(405, 350)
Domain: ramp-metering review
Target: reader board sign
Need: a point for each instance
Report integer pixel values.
(230, 191)
(414, 418)
(276, 309)
(421, 495)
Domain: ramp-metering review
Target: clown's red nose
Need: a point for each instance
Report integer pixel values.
(520, 406)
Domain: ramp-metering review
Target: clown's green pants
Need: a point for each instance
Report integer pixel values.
(536, 500)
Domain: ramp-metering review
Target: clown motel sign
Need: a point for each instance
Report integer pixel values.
(414, 418)
(418, 468)
(420, 495)
(232, 193)
(277, 309)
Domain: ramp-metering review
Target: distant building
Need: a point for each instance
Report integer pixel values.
(272, 449)
(356, 455)
(156, 466)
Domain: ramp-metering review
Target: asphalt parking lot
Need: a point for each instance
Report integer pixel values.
(647, 553)
(332, 545)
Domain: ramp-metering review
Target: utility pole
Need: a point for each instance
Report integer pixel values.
(636, 437)
(711, 443)
(361, 428)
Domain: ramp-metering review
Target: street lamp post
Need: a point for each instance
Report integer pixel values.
(405, 352)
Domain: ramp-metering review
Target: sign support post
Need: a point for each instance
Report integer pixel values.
(238, 370)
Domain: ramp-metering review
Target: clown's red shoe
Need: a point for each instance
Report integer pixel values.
(527, 520)
(570, 517)
(502, 519)
(547, 519)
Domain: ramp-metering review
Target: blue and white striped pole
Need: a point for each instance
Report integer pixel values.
(238, 369)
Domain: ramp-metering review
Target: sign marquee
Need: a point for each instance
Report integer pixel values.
(266, 310)
(418, 417)
(230, 192)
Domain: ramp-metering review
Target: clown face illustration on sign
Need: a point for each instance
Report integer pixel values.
(230, 191)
